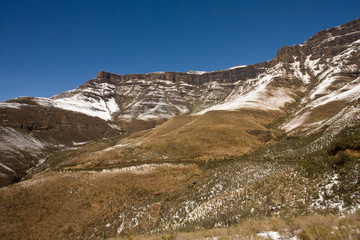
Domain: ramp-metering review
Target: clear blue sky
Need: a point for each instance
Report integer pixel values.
(47, 47)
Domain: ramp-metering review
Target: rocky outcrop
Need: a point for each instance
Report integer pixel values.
(193, 78)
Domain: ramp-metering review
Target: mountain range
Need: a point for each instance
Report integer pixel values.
(147, 153)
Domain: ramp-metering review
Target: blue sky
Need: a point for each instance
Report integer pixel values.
(51, 46)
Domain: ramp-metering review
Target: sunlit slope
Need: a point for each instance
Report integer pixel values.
(66, 205)
(214, 135)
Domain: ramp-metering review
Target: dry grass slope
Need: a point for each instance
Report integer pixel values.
(67, 205)
(212, 135)
(315, 227)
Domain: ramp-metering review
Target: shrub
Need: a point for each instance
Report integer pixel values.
(340, 160)
(316, 233)
(350, 142)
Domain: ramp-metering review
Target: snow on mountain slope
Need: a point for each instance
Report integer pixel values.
(313, 67)
(14, 146)
(141, 99)
(12, 140)
(317, 85)
(93, 100)
(159, 99)
(257, 93)
(323, 75)
(337, 86)
(95, 107)
(12, 105)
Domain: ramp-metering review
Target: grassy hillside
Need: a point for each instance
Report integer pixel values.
(214, 135)
(100, 191)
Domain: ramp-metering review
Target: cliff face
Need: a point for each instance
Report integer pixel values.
(325, 44)
(191, 77)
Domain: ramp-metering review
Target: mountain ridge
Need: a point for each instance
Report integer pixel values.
(133, 102)
(148, 153)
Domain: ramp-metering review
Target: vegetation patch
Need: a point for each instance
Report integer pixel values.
(314, 227)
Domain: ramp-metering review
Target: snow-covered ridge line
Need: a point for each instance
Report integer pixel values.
(196, 72)
(12, 105)
(166, 95)
(238, 66)
(331, 37)
(157, 72)
(97, 98)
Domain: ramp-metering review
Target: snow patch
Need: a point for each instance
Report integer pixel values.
(257, 96)
(137, 170)
(299, 73)
(95, 107)
(256, 93)
(80, 143)
(115, 147)
(114, 126)
(274, 236)
(349, 92)
(238, 66)
(295, 122)
(12, 105)
(6, 167)
(196, 72)
(13, 140)
(40, 162)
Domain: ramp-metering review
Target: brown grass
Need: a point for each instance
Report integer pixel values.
(325, 111)
(214, 135)
(318, 227)
(69, 205)
(313, 227)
